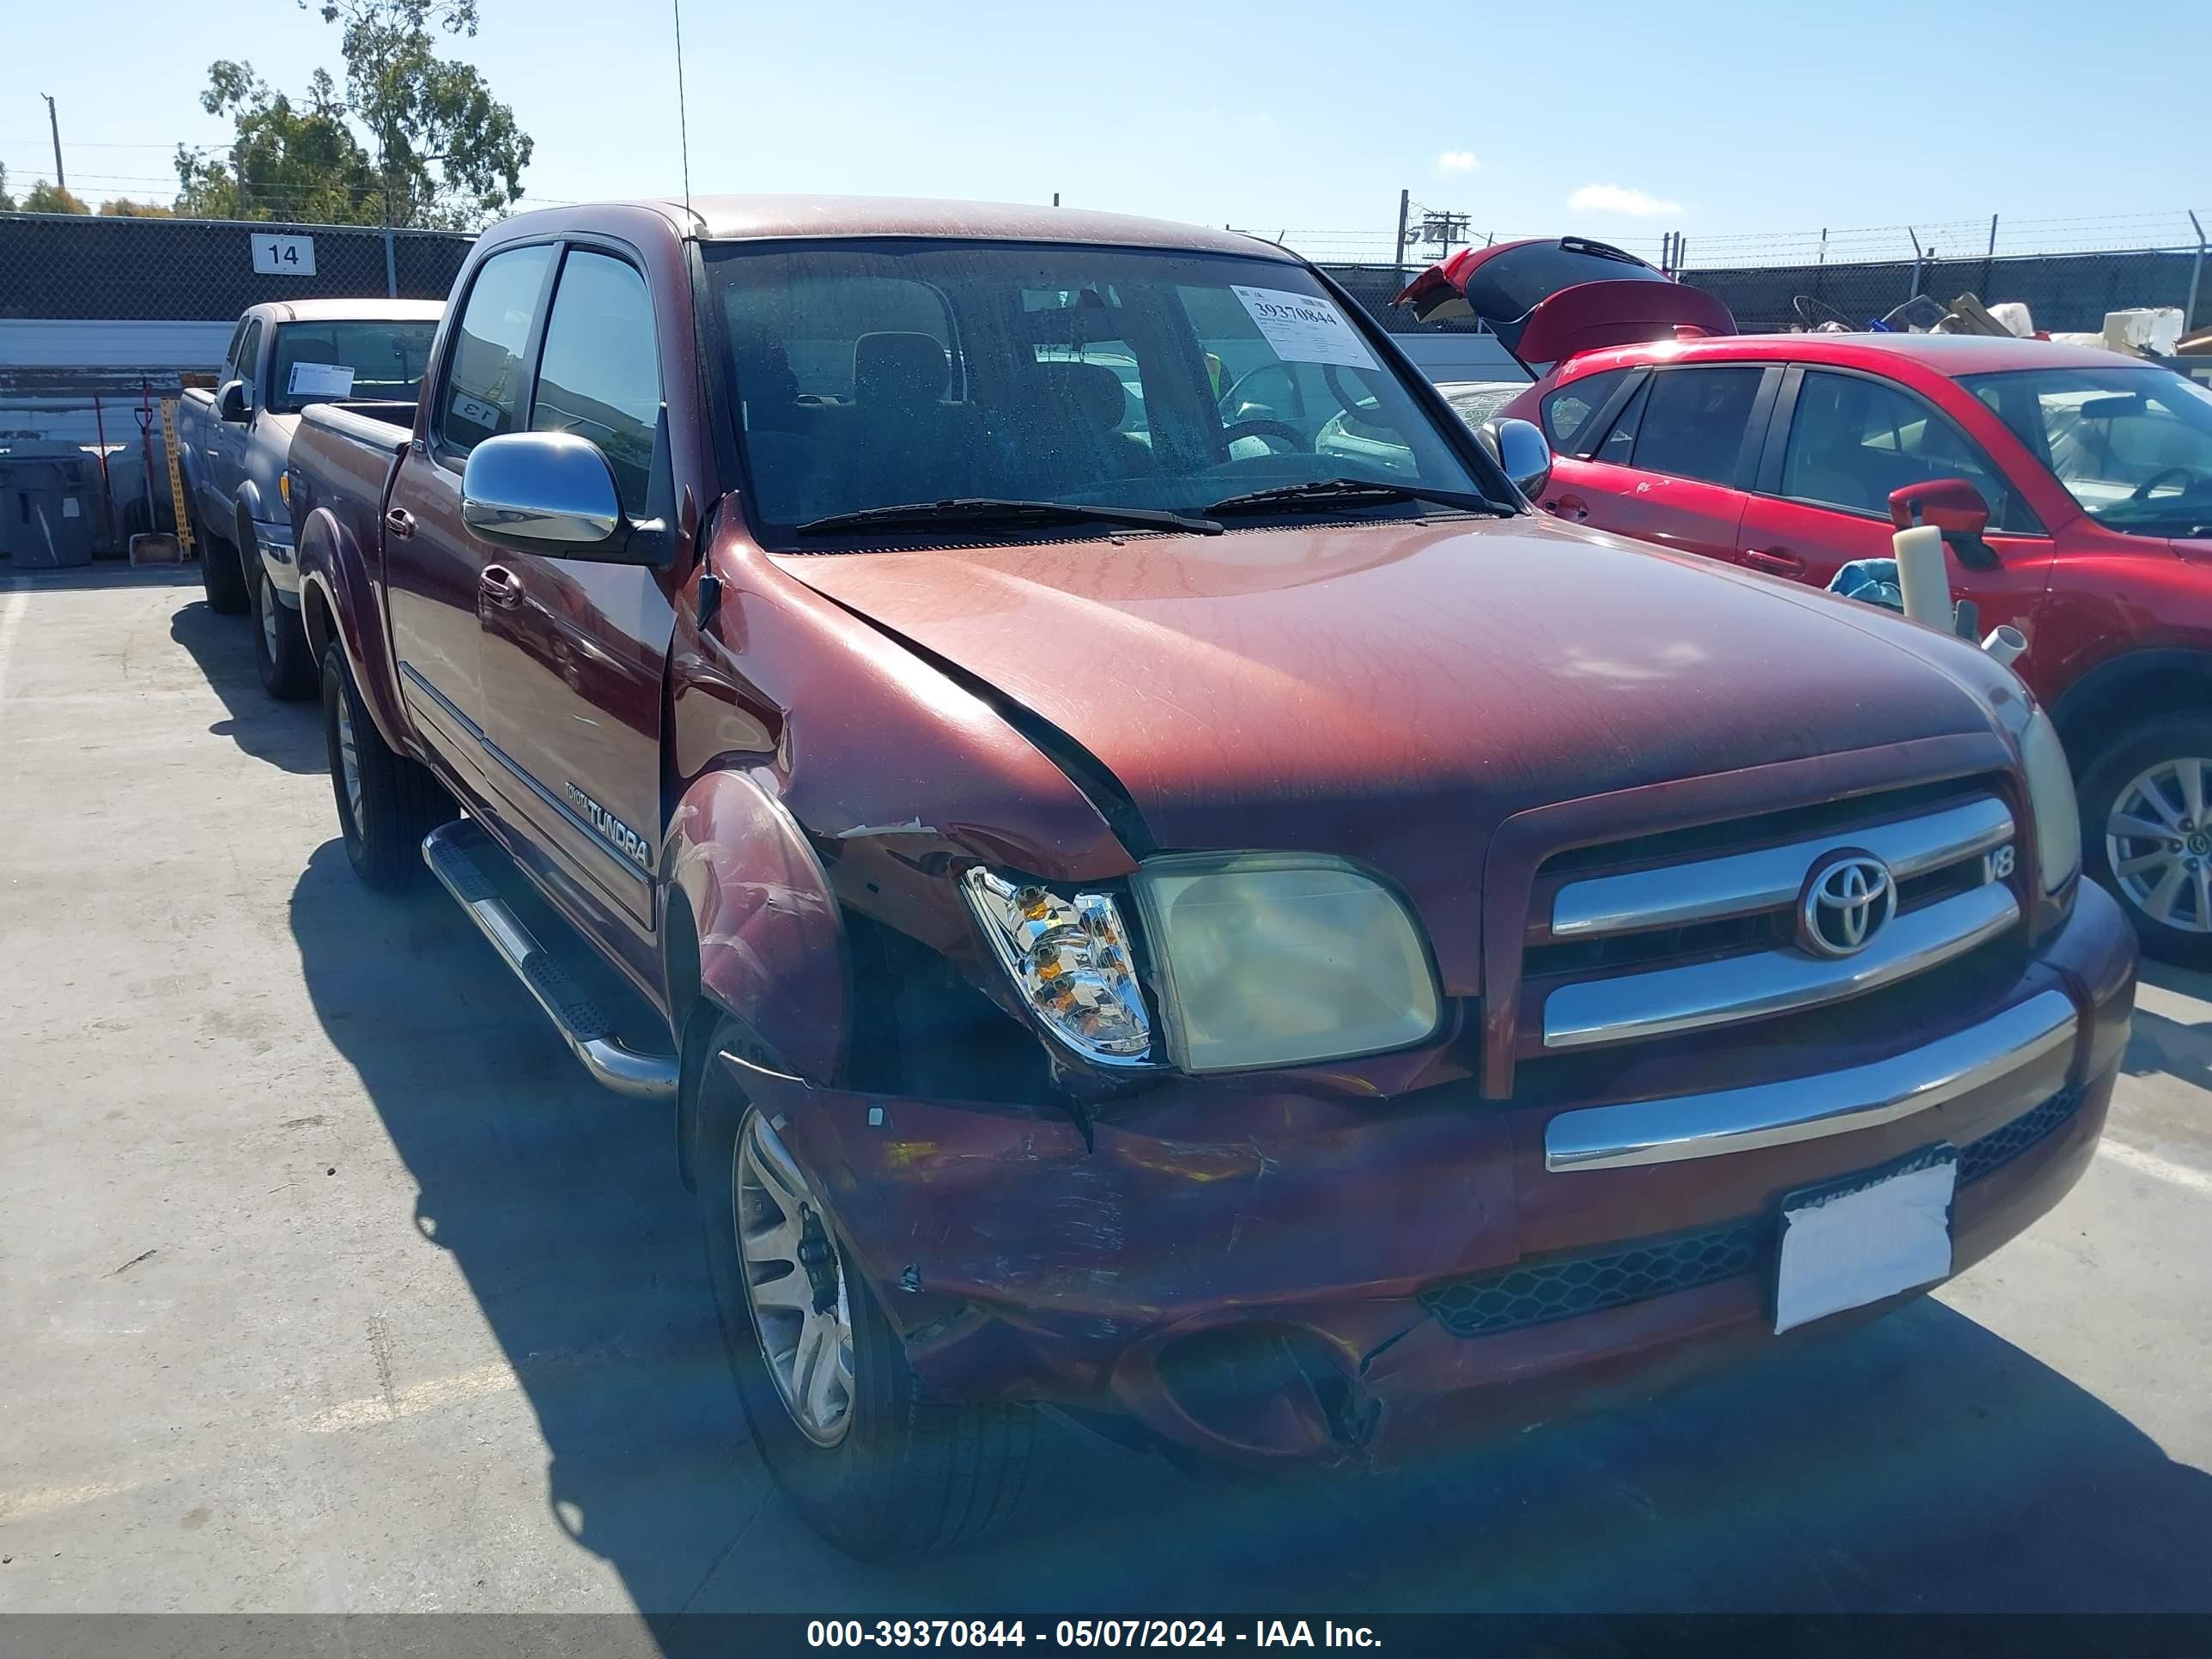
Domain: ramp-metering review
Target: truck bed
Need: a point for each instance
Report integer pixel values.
(343, 459)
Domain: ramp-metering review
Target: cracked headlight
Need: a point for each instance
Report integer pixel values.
(2050, 794)
(1272, 959)
(1070, 959)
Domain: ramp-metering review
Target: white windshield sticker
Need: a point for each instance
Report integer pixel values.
(320, 380)
(1303, 330)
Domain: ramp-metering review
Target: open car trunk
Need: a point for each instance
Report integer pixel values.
(1545, 300)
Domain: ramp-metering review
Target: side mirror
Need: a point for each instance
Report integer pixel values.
(1954, 506)
(549, 492)
(230, 403)
(1521, 451)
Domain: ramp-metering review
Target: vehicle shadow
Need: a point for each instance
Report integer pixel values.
(288, 735)
(1921, 1463)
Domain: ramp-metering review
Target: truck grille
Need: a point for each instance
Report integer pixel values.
(1633, 948)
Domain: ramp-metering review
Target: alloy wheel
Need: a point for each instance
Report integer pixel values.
(2158, 842)
(350, 762)
(795, 1282)
(270, 637)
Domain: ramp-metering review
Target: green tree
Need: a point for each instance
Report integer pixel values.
(442, 151)
(287, 160)
(423, 112)
(122, 207)
(6, 202)
(43, 198)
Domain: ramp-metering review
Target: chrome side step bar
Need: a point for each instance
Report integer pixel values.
(457, 853)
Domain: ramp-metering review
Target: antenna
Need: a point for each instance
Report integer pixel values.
(683, 119)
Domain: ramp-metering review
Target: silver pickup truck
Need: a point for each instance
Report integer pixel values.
(232, 444)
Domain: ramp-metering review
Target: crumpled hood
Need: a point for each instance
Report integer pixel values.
(1376, 690)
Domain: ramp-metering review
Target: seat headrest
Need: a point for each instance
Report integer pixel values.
(905, 370)
(1092, 388)
(765, 379)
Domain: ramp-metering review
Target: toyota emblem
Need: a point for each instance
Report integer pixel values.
(1848, 897)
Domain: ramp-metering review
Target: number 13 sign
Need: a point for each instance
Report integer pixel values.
(284, 255)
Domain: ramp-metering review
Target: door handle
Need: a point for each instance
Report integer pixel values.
(399, 522)
(1568, 505)
(1775, 562)
(501, 586)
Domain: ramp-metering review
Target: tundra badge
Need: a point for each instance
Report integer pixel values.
(611, 828)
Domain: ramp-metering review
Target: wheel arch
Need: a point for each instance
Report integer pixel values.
(753, 928)
(2108, 699)
(336, 604)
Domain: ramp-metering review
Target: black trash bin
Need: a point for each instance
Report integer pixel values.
(46, 509)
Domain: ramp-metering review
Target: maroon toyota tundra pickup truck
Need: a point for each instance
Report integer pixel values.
(1139, 917)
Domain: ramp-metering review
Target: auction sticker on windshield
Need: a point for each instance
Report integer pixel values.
(321, 381)
(1305, 330)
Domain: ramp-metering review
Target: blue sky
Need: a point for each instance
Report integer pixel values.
(1722, 121)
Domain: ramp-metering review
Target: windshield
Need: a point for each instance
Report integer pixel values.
(321, 362)
(2133, 446)
(871, 375)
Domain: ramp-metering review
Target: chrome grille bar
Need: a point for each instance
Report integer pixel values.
(1743, 883)
(1668, 1000)
(1804, 1108)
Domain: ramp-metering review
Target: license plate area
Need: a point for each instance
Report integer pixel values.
(1857, 1240)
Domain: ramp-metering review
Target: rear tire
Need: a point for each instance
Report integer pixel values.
(2179, 929)
(906, 1473)
(222, 578)
(386, 803)
(280, 645)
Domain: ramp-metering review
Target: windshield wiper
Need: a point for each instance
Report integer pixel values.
(992, 509)
(1355, 492)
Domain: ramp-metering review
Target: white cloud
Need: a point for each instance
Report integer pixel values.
(1457, 160)
(1614, 198)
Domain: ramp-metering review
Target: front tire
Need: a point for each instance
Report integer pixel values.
(386, 803)
(280, 645)
(875, 1464)
(222, 578)
(2147, 833)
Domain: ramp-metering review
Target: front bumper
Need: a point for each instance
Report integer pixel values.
(1438, 1259)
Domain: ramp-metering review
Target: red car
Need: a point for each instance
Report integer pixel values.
(2084, 520)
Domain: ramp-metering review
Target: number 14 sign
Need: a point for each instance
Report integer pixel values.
(284, 255)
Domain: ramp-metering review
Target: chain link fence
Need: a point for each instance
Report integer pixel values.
(57, 266)
(2063, 292)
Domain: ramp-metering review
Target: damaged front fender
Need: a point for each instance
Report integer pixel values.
(1019, 1264)
(771, 944)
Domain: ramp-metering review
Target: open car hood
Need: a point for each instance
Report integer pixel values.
(1545, 300)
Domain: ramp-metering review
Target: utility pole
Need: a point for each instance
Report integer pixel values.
(1398, 247)
(54, 125)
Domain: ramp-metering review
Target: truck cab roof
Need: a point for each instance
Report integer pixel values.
(746, 218)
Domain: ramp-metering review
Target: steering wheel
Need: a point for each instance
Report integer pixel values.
(1265, 426)
(1231, 398)
(1813, 312)
(2142, 492)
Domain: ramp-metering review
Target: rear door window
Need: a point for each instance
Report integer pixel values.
(485, 385)
(1694, 421)
(249, 357)
(1569, 411)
